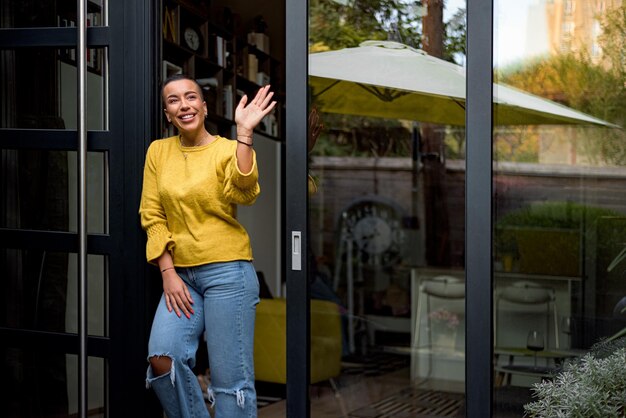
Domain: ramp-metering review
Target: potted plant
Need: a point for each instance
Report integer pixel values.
(593, 386)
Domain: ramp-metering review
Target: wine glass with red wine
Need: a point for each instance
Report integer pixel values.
(535, 343)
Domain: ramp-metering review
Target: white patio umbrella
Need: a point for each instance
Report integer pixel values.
(391, 80)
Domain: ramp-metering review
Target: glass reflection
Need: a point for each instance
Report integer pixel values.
(46, 13)
(386, 207)
(49, 75)
(47, 385)
(42, 191)
(559, 223)
(40, 291)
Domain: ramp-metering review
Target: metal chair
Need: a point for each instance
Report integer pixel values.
(441, 287)
(529, 293)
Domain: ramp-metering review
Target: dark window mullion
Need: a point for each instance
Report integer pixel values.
(478, 212)
(51, 37)
(52, 139)
(53, 341)
(58, 241)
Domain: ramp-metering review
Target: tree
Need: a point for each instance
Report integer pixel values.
(335, 25)
(419, 24)
(597, 88)
(613, 40)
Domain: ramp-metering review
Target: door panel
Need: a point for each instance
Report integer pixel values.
(39, 206)
(387, 212)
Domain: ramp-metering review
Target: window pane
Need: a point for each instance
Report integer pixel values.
(40, 291)
(560, 213)
(41, 190)
(386, 199)
(46, 13)
(39, 88)
(45, 384)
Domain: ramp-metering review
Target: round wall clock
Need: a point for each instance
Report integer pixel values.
(374, 224)
(192, 39)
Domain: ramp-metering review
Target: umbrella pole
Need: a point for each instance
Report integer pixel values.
(413, 249)
(415, 157)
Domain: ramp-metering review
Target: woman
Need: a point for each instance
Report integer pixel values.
(192, 184)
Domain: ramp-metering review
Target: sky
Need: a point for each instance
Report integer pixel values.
(511, 27)
(510, 21)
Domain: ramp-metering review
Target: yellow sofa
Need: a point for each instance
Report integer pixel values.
(270, 341)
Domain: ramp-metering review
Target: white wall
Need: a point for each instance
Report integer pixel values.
(263, 219)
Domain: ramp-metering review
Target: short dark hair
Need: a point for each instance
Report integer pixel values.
(177, 77)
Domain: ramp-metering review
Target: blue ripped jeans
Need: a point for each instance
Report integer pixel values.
(225, 296)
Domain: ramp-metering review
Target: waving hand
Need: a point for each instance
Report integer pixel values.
(248, 115)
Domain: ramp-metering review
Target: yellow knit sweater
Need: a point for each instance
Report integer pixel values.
(189, 202)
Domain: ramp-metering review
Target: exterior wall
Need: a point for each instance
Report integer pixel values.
(343, 179)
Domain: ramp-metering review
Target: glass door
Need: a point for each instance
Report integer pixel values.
(559, 226)
(386, 220)
(71, 245)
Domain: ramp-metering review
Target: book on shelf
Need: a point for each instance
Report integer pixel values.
(171, 23)
(228, 101)
(220, 50)
(239, 95)
(269, 125)
(253, 67)
(209, 91)
(170, 69)
(259, 40)
(93, 54)
(262, 79)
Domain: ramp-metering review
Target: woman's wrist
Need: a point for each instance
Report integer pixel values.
(245, 138)
(241, 131)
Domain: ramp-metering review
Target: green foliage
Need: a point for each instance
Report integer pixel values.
(519, 144)
(455, 39)
(342, 26)
(593, 386)
(613, 39)
(548, 215)
(360, 136)
(563, 215)
(336, 25)
(573, 80)
(593, 86)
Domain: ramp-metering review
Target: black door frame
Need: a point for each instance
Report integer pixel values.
(130, 39)
(296, 211)
(478, 213)
(478, 210)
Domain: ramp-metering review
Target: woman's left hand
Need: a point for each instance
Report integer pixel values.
(248, 117)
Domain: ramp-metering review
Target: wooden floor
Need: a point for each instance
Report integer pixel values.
(356, 392)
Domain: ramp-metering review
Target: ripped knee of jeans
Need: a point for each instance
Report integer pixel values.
(160, 365)
(238, 393)
(211, 396)
(241, 400)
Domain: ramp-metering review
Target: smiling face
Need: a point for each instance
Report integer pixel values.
(184, 105)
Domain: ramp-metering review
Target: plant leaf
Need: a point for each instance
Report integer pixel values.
(618, 259)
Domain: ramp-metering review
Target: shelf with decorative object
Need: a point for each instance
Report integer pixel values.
(67, 17)
(228, 62)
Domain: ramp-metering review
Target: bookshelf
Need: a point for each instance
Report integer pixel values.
(66, 17)
(226, 58)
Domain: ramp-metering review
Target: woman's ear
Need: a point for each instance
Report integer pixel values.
(166, 115)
